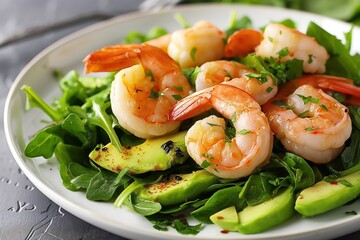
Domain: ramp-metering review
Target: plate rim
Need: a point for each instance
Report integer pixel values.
(80, 211)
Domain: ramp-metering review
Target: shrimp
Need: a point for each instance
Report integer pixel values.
(242, 42)
(235, 74)
(146, 88)
(310, 123)
(206, 141)
(196, 45)
(278, 37)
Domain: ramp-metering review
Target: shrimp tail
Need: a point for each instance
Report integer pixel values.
(192, 106)
(111, 58)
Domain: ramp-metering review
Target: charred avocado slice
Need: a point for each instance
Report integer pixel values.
(152, 155)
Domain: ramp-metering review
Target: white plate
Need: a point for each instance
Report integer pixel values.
(68, 53)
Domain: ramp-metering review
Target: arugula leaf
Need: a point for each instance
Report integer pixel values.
(34, 100)
(104, 185)
(99, 117)
(341, 63)
(65, 155)
(44, 143)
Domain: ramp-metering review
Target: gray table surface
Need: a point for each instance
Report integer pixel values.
(25, 213)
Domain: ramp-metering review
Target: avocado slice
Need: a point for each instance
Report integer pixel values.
(227, 218)
(178, 188)
(325, 196)
(152, 155)
(258, 218)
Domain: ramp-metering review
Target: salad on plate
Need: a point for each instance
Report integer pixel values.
(238, 127)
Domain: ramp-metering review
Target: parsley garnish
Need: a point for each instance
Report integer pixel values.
(269, 89)
(310, 60)
(150, 74)
(308, 99)
(206, 164)
(244, 131)
(281, 103)
(283, 52)
(311, 128)
(154, 94)
(176, 96)
(324, 107)
(192, 53)
(261, 77)
(208, 155)
(179, 88)
(303, 114)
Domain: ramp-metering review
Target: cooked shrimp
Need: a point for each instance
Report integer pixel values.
(278, 37)
(236, 74)
(309, 123)
(196, 45)
(146, 88)
(206, 140)
(242, 42)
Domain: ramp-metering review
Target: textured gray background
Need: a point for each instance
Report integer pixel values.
(25, 213)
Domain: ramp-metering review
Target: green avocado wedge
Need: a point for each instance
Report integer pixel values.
(258, 218)
(325, 196)
(178, 188)
(227, 218)
(152, 155)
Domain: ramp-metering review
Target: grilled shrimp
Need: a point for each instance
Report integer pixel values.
(278, 37)
(145, 89)
(238, 75)
(196, 45)
(309, 122)
(207, 142)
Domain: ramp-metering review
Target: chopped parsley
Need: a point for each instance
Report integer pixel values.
(150, 74)
(324, 107)
(281, 103)
(283, 52)
(154, 94)
(310, 59)
(269, 89)
(176, 96)
(208, 155)
(311, 128)
(304, 114)
(261, 77)
(192, 53)
(244, 131)
(179, 88)
(307, 99)
(206, 164)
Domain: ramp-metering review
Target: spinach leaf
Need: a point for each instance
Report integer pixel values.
(256, 190)
(300, 172)
(351, 154)
(221, 199)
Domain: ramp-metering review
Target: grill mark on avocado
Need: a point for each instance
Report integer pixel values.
(168, 146)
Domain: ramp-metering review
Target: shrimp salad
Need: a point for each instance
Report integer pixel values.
(210, 124)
